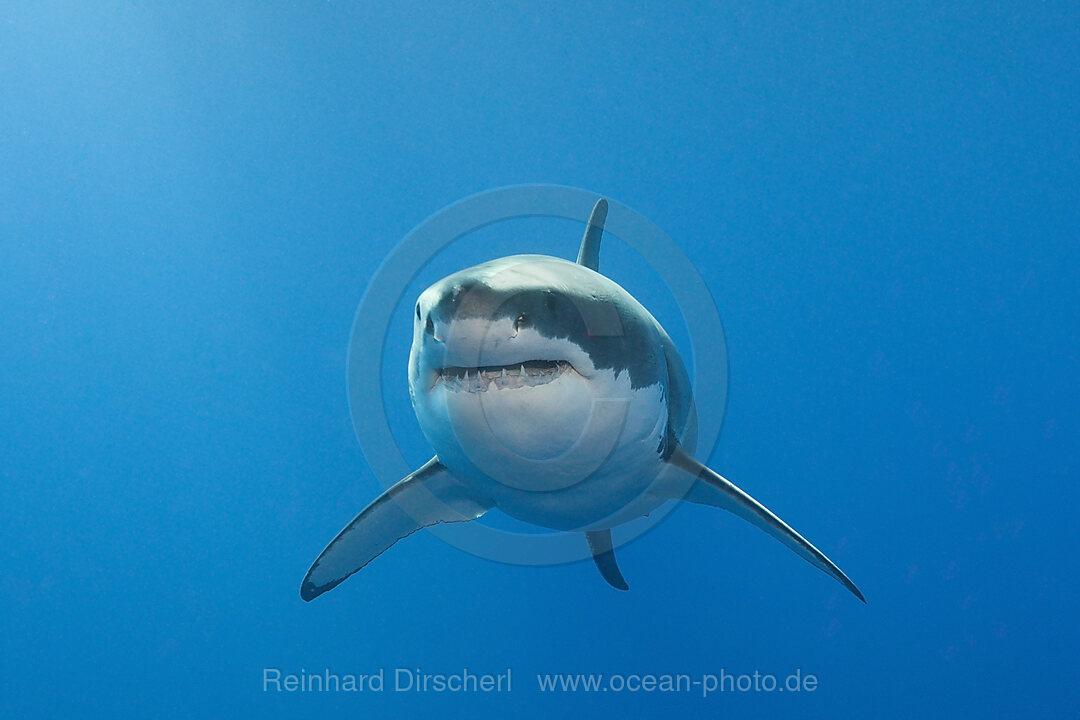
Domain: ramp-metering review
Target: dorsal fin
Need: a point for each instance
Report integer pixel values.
(589, 254)
(604, 556)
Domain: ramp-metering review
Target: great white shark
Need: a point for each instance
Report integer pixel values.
(547, 391)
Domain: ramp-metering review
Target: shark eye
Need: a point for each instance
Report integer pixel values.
(430, 327)
(522, 321)
(417, 311)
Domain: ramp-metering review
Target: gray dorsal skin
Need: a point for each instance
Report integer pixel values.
(603, 554)
(589, 253)
(410, 504)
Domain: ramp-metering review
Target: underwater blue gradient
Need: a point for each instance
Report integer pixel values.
(882, 198)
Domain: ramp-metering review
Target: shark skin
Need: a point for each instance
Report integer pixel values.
(548, 392)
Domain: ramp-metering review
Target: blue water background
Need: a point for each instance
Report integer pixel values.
(882, 198)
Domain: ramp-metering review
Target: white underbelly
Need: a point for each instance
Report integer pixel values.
(571, 454)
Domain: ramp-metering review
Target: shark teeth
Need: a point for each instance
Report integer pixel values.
(502, 377)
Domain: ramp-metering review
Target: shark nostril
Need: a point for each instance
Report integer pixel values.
(430, 327)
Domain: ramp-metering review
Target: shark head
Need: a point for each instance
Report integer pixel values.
(528, 374)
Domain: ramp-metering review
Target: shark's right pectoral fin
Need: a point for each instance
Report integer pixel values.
(429, 496)
(712, 489)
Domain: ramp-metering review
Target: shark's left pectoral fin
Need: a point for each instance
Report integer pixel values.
(429, 496)
(712, 489)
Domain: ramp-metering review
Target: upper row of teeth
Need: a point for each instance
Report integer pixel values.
(502, 372)
(477, 378)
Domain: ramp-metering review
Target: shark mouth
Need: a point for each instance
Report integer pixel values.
(531, 373)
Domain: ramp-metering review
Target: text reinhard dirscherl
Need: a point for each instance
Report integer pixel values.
(382, 680)
(414, 680)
